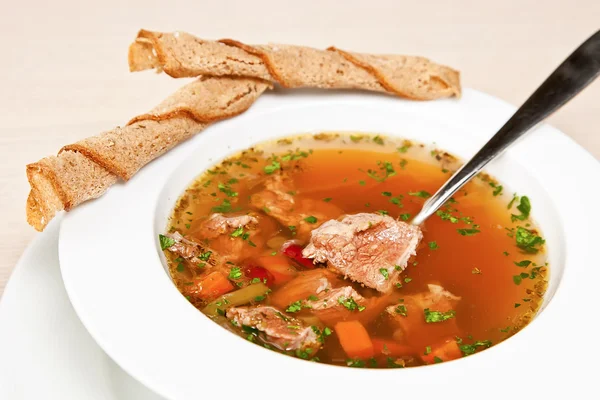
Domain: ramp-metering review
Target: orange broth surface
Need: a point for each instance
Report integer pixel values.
(469, 247)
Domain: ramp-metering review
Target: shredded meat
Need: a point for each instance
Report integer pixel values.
(277, 329)
(368, 248)
(217, 230)
(191, 251)
(409, 319)
(218, 224)
(333, 298)
(276, 201)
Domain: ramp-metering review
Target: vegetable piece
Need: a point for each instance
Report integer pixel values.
(390, 348)
(294, 252)
(301, 287)
(279, 267)
(238, 298)
(260, 273)
(354, 339)
(445, 351)
(213, 285)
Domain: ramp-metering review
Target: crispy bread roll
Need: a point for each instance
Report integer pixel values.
(86, 169)
(180, 55)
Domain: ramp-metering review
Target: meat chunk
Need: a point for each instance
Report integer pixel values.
(410, 320)
(300, 214)
(368, 248)
(191, 251)
(218, 224)
(277, 329)
(332, 305)
(233, 237)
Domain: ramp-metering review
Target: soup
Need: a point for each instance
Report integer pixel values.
(303, 246)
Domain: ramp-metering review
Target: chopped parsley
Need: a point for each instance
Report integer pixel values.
(438, 316)
(401, 310)
(468, 232)
(525, 208)
(385, 273)
(165, 242)
(260, 298)
(433, 245)
(327, 199)
(294, 307)
(350, 304)
(468, 349)
(355, 363)
(312, 297)
(379, 140)
(362, 183)
(437, 360)
(405, 217)
(446, 216)
(427, 350)
(225, 207)
(292, 229)
(497, 189)
(205, 256)
(404, 148)
(356, 138)
(304, 354)
(274, 166)
(311, 220)
(396, 200)
(382, 212)
(523, 264)
(235, 273)
(407, 280)
(321, 334)
(239, 231)
(180, 267)
(387, 170)
(510, 204)
(421, 193)
(227, 190)
(517, 305)
(528, 241)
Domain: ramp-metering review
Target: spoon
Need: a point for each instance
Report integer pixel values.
(574, 74)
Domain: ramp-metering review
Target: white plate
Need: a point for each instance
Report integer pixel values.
(114, 276)
(45, 352)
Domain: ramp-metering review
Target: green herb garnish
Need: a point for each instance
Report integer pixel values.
(165, 242)
(438, 316)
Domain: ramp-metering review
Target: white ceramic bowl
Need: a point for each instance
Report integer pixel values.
(114, 271)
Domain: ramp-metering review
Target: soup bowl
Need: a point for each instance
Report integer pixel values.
(116, 275)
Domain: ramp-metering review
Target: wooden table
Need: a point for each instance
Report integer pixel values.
(64, 68)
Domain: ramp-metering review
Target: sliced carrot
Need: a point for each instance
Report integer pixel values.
(279, 267)
(390, 348)
(354, 339)
(214, 285)
(443, 351)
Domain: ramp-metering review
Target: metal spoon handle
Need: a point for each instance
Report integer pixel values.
(574, 74)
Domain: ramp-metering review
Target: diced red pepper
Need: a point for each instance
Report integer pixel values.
(294, 251)
(255, 271)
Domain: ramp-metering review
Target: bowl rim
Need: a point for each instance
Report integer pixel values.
(145, 337)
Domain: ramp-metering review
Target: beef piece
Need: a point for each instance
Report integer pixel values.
(276, 329)
(191, 251)
(218, 230)
(408, 316)
(368, 248)
(218, 224)
(292, 211)
(328, 298)
(333, 305)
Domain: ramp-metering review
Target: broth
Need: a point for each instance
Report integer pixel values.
(481, 246)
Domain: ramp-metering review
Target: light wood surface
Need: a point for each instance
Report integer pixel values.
(64, 76)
